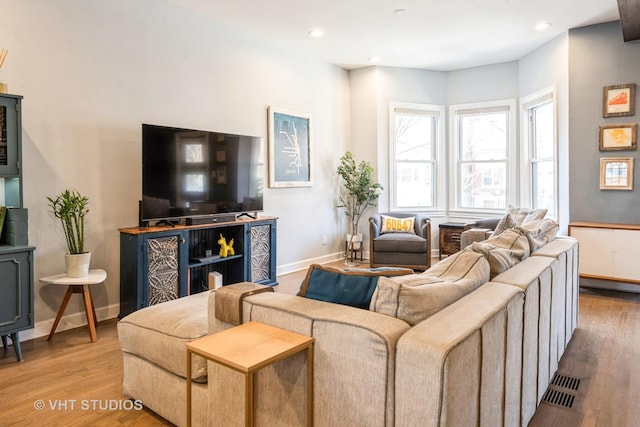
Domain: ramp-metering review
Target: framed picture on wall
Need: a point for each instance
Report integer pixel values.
(618, 137)
(619, 100)
(289, 148)
(616, 173)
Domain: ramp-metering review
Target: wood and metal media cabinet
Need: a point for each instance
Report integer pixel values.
(162, 263)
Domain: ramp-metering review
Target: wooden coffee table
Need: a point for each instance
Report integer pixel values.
(248, 348)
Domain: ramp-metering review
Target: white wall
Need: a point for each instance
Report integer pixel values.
(484, 83)
(92, 71)
(374, 88)
(548, 67)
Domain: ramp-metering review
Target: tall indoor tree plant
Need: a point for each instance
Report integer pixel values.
(70, 207)
(359, 191)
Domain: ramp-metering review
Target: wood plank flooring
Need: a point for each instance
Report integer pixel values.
(603, 354)
(87, 378)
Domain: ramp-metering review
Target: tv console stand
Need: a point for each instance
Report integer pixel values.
(174, 259)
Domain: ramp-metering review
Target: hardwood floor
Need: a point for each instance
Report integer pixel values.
(603, 354)
(87, 378)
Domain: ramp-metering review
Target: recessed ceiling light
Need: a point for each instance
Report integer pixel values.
(316, 33)
(374, 59)
(542, 25)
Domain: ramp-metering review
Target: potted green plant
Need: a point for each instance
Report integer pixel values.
(359, 191)
(70, 207)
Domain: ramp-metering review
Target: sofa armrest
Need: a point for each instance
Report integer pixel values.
(462, 366)
(471, 235)
(354, 362)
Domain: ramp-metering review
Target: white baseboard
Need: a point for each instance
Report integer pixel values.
(70, 321)
(304, 264)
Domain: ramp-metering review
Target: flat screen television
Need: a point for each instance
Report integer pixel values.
(199, 176)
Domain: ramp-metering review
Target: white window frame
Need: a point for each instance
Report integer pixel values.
(526, 103)
(512, 188)
(439, 170)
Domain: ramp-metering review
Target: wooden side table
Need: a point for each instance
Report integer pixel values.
(356, 248)
(248, 348)
(450, 237)
(77, 285)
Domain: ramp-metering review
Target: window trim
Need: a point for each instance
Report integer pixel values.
(512, 191)
(526, 185)
(439, 158)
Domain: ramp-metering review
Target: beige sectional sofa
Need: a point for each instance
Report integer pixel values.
(484, 358)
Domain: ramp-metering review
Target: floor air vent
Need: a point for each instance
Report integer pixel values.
(559, 398)
(565, 382)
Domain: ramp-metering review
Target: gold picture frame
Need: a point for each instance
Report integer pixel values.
(618, 137)
(616, 173)
(619, 100)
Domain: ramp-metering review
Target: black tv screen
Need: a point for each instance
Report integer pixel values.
(190, 173)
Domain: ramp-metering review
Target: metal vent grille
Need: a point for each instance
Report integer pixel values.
(565, 382)
(559, 398)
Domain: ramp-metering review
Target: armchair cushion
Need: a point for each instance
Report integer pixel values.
(400, 242)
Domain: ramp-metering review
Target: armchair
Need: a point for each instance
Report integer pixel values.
(410, 249)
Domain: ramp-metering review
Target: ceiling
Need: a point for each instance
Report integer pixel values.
(428, 34)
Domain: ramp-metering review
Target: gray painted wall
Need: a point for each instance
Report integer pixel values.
(598, 57)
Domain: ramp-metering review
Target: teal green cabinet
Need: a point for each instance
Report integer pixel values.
(159, 264)
(16, 256)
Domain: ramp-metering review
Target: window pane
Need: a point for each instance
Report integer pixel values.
(194, 182)
(616, 173)
(483, 136)
(543, 185)
(414, 184)
(193, 153)
(414, 137)
(543, 131)
(483, 185)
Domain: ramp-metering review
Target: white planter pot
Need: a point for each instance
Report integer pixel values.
(77, 265)
(356, 242)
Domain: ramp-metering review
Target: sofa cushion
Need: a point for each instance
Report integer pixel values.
(158, 333)
(505, 223)
(392, 224)
(349, 287)
(539, 232)
(524, 215)
(416, 297)
(503, 251)
(517, 216)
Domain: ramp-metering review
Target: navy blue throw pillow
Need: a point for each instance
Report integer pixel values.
(354, 288)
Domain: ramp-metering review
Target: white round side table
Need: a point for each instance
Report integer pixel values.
(77, 285)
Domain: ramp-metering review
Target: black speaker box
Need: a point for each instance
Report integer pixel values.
(203, 220)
